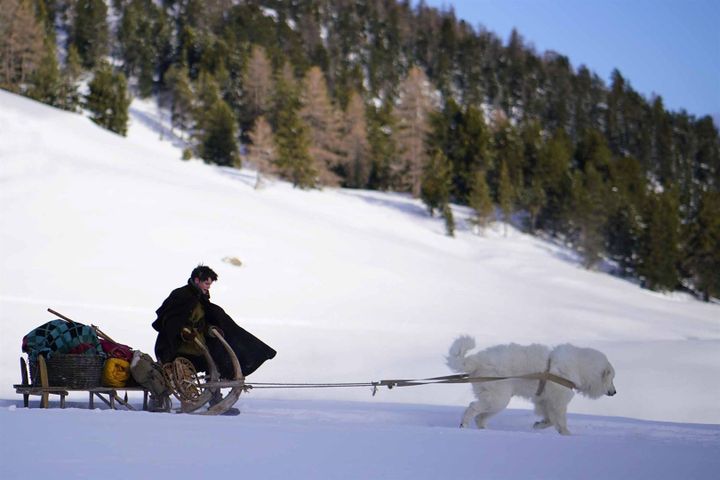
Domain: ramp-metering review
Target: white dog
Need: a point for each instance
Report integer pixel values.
(588, 369)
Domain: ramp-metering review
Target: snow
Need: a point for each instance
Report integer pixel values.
(348, 286)
(280, 439)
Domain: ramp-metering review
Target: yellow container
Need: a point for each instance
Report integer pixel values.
(116, 372)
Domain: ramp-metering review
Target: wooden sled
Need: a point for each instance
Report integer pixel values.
(194, 392)
(109, 395)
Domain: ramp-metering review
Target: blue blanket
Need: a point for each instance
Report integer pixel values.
(61, 337)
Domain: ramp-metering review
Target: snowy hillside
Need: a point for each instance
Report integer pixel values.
(346, 286)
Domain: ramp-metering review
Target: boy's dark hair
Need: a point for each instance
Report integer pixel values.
(203, 273)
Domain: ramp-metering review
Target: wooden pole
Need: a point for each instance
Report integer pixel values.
(99, 332)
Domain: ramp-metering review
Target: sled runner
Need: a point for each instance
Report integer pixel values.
(194, 391)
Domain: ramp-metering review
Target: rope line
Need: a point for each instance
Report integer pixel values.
(390, 384)
(309, 385)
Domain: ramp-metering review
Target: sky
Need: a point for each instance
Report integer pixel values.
(667, 47)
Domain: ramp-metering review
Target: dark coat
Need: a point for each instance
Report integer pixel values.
(173, 315)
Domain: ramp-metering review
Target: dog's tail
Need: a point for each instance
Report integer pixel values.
(456, 359)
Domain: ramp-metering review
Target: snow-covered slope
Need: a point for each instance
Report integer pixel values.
(347, 286)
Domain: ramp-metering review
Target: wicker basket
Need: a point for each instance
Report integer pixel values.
(72, 371)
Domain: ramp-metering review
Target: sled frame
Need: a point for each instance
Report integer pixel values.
(43, 389)
(209, 386)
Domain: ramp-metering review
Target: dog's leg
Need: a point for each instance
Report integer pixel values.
(558, 417)
(489, 403)
(482, 418)
(473, 410)
(562, 427)
(541, 410)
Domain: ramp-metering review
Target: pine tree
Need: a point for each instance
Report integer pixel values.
(515, 70)
(383, 147)
(182, 98)
(46, 18)
(531, 137)
(534, 200)
(108, 100)
(131, 40)
(659, 244)
(508, 149)
(626, 199)
(293, 157)
(436, 182)
(470, 66)
(323, 122)
(90, 32)
(531, 195)
(505, 194)
(663, 143)
(590, 203)
(615, 120)
(412, 112)
(702, 248)
(588, 213)
(475, 151)
(208, 90)
(46, 81)
(69, 97)
(449, 220)
(144, 41)
(480, 201)
(356, 158)
(553, 173)
(21, 44)
(345, 48)
(73, 64)
(261, 152)
(207, 94)
(559, 74)
(445, 58)
(258, 85)
(463, 137)
(292, 139)
(219, 143)
(593, 150)
(585, 102)
(385, 29)
(707, 157)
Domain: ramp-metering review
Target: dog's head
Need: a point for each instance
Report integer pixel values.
(599, 380)
(589, 368)
(608, 376)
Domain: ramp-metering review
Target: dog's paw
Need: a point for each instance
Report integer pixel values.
(541, 424)
(480, 424)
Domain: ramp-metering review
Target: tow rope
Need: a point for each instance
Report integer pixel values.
(543, 377)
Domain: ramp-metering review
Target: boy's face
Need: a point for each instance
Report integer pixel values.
(204, 286)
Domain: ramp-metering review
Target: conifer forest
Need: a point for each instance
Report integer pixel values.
(387, 95)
